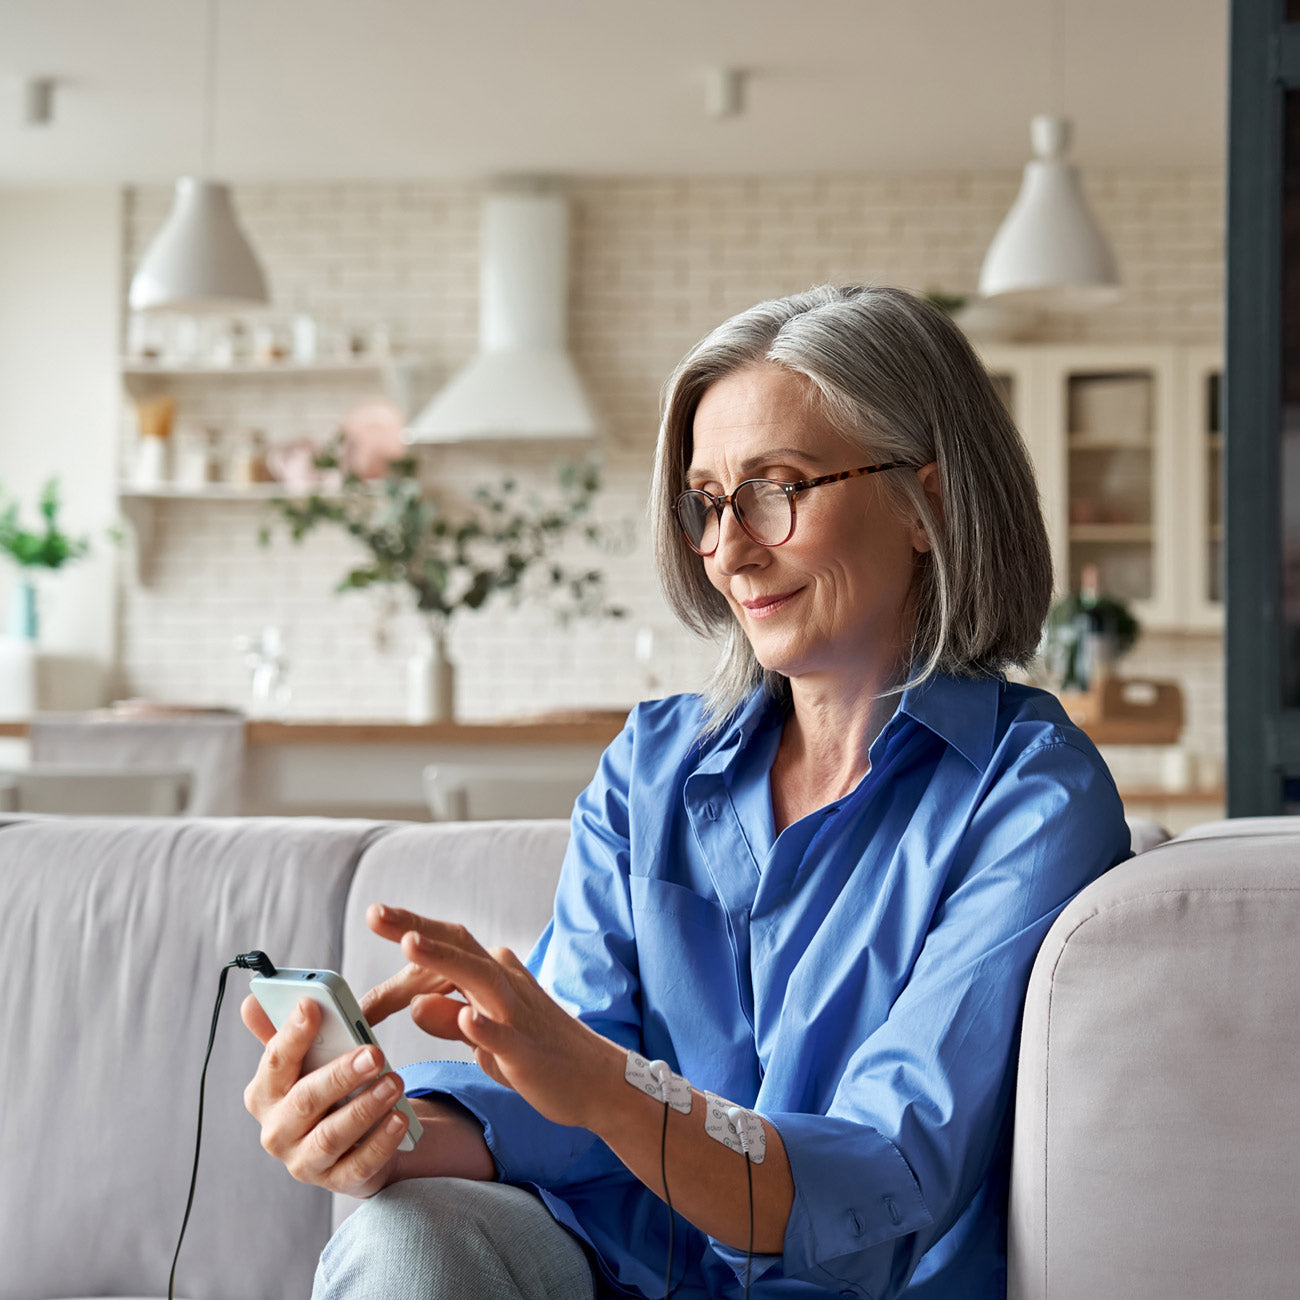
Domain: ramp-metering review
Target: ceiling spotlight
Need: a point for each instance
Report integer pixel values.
(38, 101)
(724, 92)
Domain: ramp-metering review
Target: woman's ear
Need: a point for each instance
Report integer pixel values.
(930, 484)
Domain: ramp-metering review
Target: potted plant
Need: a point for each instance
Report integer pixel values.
(499, 542)
(1087, 632)
(46, 547)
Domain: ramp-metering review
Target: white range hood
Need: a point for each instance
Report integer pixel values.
(521, 385)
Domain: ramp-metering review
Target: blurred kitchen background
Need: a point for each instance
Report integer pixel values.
(708, 156)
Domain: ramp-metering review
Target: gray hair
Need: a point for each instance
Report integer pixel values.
(899, 380)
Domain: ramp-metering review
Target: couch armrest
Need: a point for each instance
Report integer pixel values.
(1156, 1146)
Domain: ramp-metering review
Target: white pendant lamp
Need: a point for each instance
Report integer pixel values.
(200, 260)
(1050, 249)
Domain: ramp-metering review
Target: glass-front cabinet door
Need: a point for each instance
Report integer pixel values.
(1102, 426)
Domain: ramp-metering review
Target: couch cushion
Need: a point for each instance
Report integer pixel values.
(1157, 1151)
(112, 934)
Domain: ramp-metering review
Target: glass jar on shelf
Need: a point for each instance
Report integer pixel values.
(246, 459)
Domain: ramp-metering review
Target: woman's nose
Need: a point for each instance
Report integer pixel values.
(737, 550)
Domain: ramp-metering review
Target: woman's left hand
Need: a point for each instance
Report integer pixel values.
(520, 1035)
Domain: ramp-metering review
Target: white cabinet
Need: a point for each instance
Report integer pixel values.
(1127, 451)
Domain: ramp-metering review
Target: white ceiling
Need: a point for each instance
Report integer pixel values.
(357, 89)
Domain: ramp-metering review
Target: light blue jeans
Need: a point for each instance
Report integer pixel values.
(452, 1239)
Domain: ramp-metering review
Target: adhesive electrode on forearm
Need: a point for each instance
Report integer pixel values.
(656, 1079)
(741, 1130)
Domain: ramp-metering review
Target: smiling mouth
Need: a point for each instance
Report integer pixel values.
(766, 606)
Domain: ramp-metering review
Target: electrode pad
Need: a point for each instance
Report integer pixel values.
(745, 1134)
(647, 1075)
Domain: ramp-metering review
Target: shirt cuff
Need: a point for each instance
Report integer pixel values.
(852, 1191)
(527, 1147)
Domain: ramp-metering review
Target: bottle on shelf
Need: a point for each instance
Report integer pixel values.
(1094, 641)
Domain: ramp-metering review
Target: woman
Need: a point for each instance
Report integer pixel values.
(815, 892)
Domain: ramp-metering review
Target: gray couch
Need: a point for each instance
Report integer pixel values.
(1163, 1026)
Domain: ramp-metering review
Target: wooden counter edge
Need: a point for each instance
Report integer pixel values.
(541, 731)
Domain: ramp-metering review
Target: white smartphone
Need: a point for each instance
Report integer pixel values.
(343, 1028)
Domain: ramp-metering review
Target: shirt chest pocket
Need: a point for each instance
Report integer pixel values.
(688, 978)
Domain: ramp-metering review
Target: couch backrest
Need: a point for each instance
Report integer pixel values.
(112, 935)
(496, 878)
(1157, 1148)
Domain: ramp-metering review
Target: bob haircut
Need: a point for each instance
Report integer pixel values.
(899, 380)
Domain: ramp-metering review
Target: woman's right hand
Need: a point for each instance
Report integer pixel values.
(350, 1149)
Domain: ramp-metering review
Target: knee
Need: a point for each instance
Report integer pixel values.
(412, 1213)
(450, 1237)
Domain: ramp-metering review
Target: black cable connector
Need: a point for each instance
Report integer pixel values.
(255, 960)
(261, 963)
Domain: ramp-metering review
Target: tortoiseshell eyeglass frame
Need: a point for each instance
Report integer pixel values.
(719, 503)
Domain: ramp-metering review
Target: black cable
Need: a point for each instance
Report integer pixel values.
(749, 1257)
(261, 963)
(663, 1174)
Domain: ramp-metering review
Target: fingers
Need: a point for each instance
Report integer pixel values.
(474, 972)
(282, 1060)
(393, 922)
(311, 1098)
(439, 1016)
(399, 991)
(257, 1021)
(352, 1143)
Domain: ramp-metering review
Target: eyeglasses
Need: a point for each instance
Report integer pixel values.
(764, 508)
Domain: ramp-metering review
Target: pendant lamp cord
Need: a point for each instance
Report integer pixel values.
(209, 88)
(1056, 56)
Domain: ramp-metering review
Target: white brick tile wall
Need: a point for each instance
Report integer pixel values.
(656, 262)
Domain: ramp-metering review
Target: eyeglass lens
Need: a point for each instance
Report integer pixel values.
(762, 507)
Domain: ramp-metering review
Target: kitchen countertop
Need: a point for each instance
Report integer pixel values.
(575, 728)
(569, 728)
(275, 745)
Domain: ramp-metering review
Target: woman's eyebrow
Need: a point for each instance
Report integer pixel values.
(746, 468)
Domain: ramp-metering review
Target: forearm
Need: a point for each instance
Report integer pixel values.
(452, 1146)
(707, 1181)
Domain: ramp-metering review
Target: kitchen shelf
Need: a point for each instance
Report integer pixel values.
(1120, 533)
(132, 369)
(213, 492)
(1108, 442)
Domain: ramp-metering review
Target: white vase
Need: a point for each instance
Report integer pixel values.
(17, 677)
(430, 677)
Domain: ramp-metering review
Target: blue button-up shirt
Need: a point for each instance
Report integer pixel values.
(857, 980)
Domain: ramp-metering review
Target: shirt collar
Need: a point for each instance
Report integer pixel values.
(757, 713)
(960, 710)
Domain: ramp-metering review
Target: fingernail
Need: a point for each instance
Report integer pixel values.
(300, 1013)
(396, 1122)
(388, 1087)
(365, 1060)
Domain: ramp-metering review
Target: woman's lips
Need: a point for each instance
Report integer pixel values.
(766, 606)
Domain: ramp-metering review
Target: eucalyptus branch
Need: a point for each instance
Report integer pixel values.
(451, 562)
